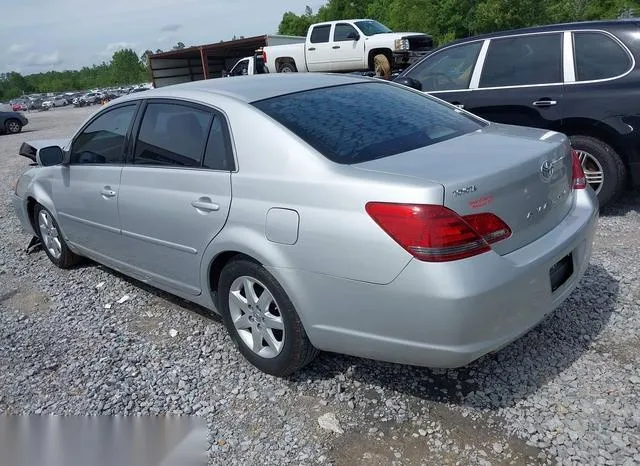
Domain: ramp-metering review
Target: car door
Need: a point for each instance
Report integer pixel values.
(521, 81)
(175, 193)
(240, 69)
(447, 73)
(85, 191)
(318, 51)
(347, 48)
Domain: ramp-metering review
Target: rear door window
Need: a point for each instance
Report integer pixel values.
(598, 56)
(172, 135)
(523, 60)
(366, 121)
(320, 34)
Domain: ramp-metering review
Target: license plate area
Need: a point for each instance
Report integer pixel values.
(560, 272)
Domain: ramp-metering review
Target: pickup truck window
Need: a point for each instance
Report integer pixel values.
(345, 123)
(344, 33)
(320, 34)
(371, 28)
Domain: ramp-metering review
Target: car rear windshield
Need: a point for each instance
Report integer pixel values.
(356, 123)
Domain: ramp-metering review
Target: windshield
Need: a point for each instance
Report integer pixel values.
(371, 28)
(345, 124)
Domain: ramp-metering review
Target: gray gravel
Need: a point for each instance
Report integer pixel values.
(568, 392)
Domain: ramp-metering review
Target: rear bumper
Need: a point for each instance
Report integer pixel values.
(445, 315)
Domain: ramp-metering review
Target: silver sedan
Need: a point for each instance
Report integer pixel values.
(321, 212)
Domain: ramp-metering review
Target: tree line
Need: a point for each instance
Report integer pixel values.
(447, 20)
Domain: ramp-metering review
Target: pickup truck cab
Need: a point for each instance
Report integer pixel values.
(349, 46)
(248, 66)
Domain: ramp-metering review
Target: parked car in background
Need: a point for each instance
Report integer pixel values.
(349, 45)
(57, 101)
(582, 79)
(12, 122)
(463, 234)
(19, 107)
(248, 66)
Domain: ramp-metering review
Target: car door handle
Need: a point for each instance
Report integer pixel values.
(311, 49)
(335, 47)
(544, 103)
(205, 204)
(107, 192)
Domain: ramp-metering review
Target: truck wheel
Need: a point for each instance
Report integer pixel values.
(381, 66)
(604, 169)
(287, 67)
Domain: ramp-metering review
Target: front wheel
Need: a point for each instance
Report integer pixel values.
(261, 319)
(13, 127)
(52, 241)
(382, 66)
(603, 168)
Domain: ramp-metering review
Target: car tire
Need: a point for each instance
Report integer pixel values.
(53, 243)
(604, 169)
(255, 327)
(12, 126)
(287, 67)
(382, 66)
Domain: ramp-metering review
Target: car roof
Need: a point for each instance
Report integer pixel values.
(257, 87)
(600, 24)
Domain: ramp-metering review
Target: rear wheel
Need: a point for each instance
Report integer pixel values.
(52, 241)
(287, 67)
(603, 167)
(13, 126)
(382, 66)
(261, 320)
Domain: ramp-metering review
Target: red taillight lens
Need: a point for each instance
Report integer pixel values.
(579, 179)
(434, 233)
(264, 57)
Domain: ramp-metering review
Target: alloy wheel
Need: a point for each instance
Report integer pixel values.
(593, 171)
(49, 234)
(256, 317)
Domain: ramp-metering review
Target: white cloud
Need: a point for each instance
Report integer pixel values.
(15, 49)
(42, 59)
(114, 47)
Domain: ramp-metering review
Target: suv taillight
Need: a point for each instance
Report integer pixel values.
(434, 233)
(579, 179)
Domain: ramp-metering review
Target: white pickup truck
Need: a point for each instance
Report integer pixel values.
(349, 46)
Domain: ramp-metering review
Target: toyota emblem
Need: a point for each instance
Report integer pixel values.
(546, 170)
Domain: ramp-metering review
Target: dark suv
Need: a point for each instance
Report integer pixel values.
(582, 79)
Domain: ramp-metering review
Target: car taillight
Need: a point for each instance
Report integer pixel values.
(579, 179)
(264, 57)
(434, 233)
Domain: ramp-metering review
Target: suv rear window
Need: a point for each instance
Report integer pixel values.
(598, 56)
(360, 122)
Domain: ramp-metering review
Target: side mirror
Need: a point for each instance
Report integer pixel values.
(353, 36)
(49, 156)
(409, 82)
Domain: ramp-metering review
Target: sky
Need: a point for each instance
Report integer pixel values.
(44, 35)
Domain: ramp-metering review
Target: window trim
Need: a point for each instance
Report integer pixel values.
(520, 86)
(137, 103)
(216, 112)
(317, 26)
(335, 27)
(572, 57)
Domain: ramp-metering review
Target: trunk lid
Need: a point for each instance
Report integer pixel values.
(522, 175)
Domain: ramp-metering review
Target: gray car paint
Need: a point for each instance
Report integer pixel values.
(355, 289)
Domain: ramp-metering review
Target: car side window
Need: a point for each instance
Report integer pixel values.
(241, 68)
(102, 141)
(449, 69)
(320, 34)
(598, 56)
(218, 155)
(523, 60)
(172, 135)
(344, 33)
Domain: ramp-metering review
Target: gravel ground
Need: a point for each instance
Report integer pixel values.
(568, 392)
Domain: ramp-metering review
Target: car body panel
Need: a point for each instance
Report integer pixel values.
(355, 289)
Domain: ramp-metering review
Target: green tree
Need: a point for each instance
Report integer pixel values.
(179, 46)
(126, 67)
